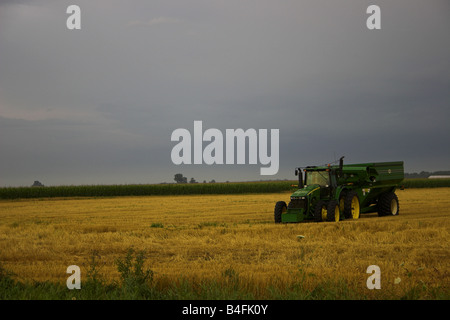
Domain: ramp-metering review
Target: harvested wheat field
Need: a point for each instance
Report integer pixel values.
(207, 236)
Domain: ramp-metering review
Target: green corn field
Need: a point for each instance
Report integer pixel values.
(176, 189)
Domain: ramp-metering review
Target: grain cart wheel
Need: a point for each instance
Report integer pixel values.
(333, 211)
(351, 205)
(320, 211)
(388, 204)
(280, 208)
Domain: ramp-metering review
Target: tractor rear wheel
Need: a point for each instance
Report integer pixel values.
(333, 213)
(320, 211)
(342, 201)
(280, 208)
(351, 205)
(388, 204)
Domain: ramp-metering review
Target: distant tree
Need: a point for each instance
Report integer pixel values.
(204, 181)
(179, 178)
(37, 184)
(192, 180)
(212, 181)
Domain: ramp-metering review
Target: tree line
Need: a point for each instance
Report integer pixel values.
(426, 174)
(179, 178)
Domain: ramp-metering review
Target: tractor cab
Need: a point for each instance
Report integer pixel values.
(320, 177)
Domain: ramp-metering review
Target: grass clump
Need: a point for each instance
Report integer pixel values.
(157, 225)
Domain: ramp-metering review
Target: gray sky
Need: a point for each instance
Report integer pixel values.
(98, 105)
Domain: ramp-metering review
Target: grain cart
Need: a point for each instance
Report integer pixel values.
(333, 193)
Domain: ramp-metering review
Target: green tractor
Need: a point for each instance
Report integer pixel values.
(338, 192)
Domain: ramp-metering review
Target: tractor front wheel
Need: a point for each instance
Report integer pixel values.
(320, 211)
(333, 213)
(280, 208)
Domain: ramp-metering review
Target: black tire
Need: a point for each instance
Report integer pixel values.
(388, 205)
(351, 205)
(318, 211)
(342, 201)
(333, 213)
(280, 207)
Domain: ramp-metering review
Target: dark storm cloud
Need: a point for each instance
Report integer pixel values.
(98, 105)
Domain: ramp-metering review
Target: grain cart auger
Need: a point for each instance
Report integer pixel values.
(333, 193)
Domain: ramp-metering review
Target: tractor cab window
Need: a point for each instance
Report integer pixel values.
(321, 178)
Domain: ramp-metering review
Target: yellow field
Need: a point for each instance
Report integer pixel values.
(202, 236)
